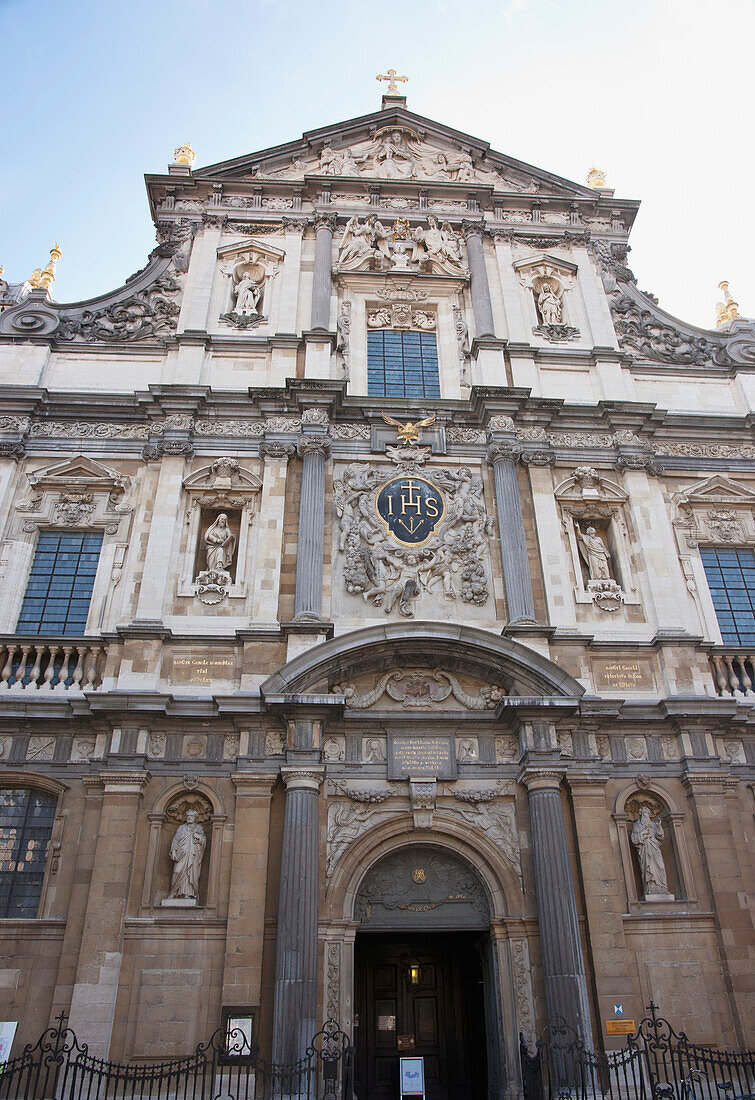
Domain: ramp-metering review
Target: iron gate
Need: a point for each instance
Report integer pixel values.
(228, 1067)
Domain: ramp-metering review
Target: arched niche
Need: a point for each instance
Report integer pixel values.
(169, 812)
(663, 809)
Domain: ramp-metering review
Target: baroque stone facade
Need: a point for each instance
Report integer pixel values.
(465, 677)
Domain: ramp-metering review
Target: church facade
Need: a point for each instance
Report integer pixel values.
(378, 613)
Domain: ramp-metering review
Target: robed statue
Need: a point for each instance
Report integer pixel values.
(646, 837)
(187, 851)
(219, 544)
(595, 553)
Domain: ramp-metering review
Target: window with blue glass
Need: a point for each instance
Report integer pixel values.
(402, 364)
(26, 820)
(731, 580)
(60, 584)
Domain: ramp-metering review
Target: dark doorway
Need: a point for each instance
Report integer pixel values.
(422, 992)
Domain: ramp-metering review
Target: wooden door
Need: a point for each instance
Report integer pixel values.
(441, 1013)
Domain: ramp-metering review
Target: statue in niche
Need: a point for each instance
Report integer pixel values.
(549, 303)
(219, 544)
(595, 554)
(647, 836)
(248, 294)
(187, 852)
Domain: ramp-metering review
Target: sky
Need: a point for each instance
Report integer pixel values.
(657, 93)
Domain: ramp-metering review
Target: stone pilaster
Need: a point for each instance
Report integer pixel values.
(294, 1012)
(314, 451)
(735, 933)
(157, 561)
(271, 515)
(563, 964)
(101, 952)
(321, 281)
(516, 565)
(605, 900)
(479, 285)
(242, 968)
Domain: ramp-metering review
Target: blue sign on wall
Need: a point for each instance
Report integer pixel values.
(411, 508)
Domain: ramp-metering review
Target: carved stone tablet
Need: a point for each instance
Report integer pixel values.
(421, 756)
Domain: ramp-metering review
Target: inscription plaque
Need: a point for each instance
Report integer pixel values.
(202, 670)
(421, 756)
(623, 674)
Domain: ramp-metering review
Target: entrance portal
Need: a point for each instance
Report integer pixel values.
(426, 983)
(422, 995)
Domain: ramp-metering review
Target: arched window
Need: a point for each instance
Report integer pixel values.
(26, 819)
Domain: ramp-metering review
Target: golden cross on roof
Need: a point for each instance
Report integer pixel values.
(392, 77)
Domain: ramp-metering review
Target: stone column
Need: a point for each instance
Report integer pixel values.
(480, 288)
(563, 964)
(294, 1012)
(314, 449)
(101, 952)
(516, 565)
(321, 281)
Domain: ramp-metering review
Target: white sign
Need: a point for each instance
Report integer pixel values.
(7, 1031)
(412, 1076)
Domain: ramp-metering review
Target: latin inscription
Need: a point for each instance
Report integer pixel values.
(411, 508)
(623, 675)
(421, 756)
(202, 670)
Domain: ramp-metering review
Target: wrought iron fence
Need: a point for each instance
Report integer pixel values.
(658, 1063)
(228, 1067)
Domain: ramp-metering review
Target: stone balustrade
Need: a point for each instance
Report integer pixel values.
(734, 673)
(51, 666)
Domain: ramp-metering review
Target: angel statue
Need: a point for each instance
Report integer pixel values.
(409, 432)
(356, 241)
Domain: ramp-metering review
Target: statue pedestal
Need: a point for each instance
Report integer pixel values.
(179, 903)
(652, 897)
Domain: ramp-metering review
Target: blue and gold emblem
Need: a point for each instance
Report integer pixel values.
(411, 508)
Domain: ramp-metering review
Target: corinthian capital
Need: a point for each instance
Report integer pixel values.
(325, 221)
(276, 448)
(498, 451)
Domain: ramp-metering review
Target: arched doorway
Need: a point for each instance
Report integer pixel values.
(424, 975)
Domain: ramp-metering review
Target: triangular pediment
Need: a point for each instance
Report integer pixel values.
(78, 472)
(249, 244)
(718, 489)
(394, 144)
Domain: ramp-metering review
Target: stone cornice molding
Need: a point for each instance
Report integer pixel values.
(302, 778)
(702, 781)
(15, 778)
(585, 781)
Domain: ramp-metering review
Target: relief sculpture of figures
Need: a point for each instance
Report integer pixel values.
(187, 852)
(646, 837)
(449, 565)
(595, 554)
(369, 245)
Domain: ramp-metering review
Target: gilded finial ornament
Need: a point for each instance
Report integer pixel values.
(409, 432)
(42, 278)
(596, 178)
(728, 310)
(391, 76)
(184, 154)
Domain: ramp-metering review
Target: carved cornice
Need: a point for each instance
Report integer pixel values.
(124, 782)
(248, 783)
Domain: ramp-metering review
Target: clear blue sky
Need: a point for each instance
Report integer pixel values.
(97, 94)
